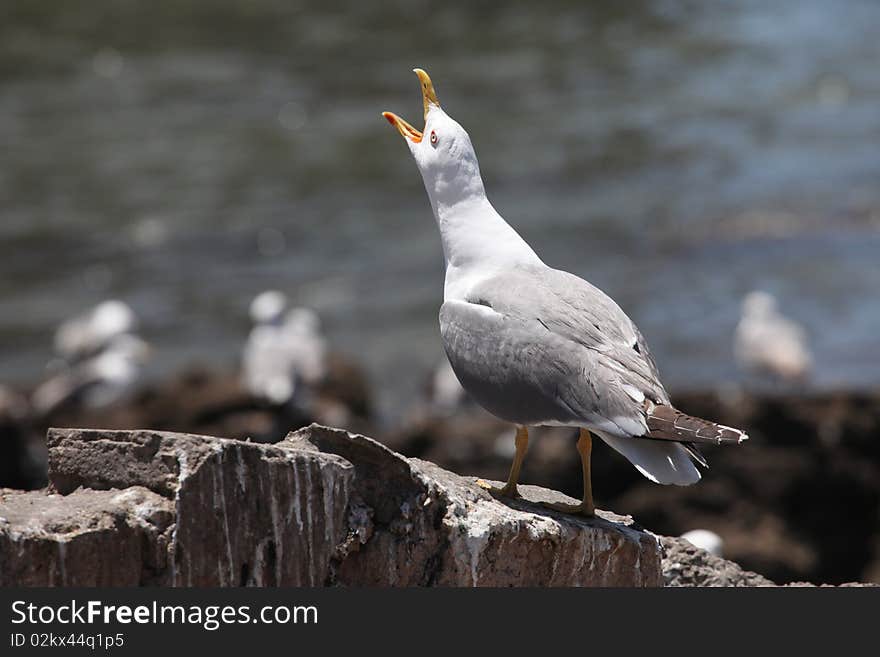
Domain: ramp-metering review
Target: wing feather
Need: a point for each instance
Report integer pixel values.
(572, 308)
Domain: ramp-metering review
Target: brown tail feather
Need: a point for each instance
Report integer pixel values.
(668, 423)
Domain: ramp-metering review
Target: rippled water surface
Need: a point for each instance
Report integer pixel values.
(186, 155)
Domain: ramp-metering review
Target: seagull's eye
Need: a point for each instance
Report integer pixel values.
(433, 138)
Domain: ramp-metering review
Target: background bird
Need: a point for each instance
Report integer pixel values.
(536, 345)
(99, 360)
(87, 334)
(106, 377)
(768, 343)
(285, 355)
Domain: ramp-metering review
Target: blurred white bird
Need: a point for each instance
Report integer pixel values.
(705, 540)
(285, 354)
(106, 378)
(85, 335)
(768, 342)
(101, 360)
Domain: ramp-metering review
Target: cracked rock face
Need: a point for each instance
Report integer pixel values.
(321, 507)
(87, 538)
(244, 513)
(429, 526)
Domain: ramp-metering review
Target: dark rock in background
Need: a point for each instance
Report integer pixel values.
(809, 460)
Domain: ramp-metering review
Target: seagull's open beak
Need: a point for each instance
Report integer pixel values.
(403, 127)
(429, 99)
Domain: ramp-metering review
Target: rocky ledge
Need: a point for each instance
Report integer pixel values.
(321, 507)
(688, 566)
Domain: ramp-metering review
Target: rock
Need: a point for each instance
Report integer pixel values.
(51, 540)
(322, 506)
(769, 500)
(245, 513)
(415, 524)
(687, 565)
(252, 514)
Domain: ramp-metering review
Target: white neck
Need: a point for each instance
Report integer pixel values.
(477, 241)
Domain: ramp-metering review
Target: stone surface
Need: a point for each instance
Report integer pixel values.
(415, 524)
(321, 507)
(87, 538)
(687, 565)
(252, 514)
(245, 513)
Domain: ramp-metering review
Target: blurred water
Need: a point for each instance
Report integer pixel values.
(185, 155)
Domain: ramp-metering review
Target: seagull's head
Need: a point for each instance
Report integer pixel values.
(442, 151)
(758, 304)
(268, 307)
(111, 318)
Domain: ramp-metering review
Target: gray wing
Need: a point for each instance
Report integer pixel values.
(541, 342)
(572, 308)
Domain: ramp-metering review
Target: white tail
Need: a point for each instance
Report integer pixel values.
(660, 461)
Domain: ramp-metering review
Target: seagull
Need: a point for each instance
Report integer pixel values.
(766, 341)
(96, 382)
(284, 349)
(538, 346)
(85, 335)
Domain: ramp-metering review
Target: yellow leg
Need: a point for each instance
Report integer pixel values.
(509, 490)
(586, 507)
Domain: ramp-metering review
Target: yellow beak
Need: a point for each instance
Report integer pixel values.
(403, 127)
(429, 98)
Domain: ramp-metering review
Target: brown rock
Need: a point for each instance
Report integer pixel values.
(252, 514)
(87, 538)
(322, 506)
(415, 524)
(687, 565)
(117, 459)
(246, 513)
